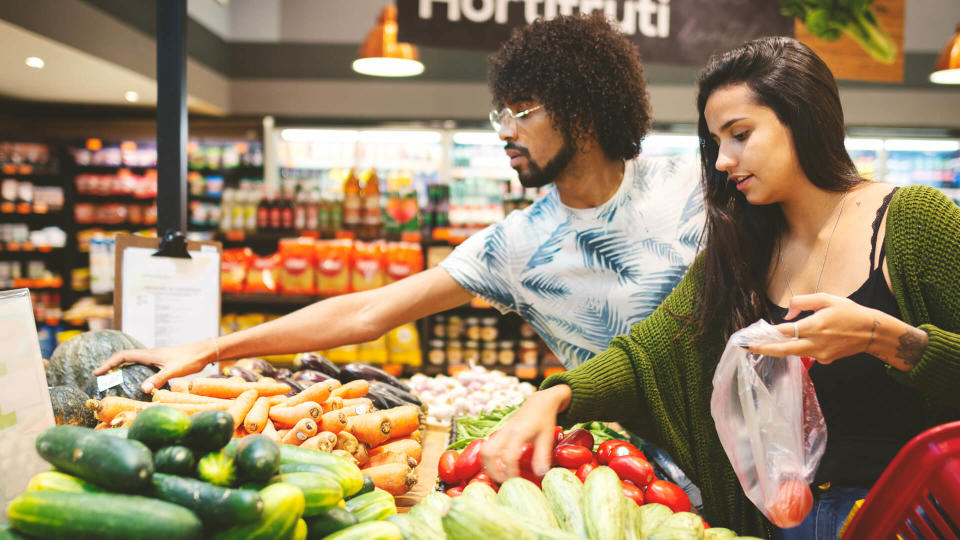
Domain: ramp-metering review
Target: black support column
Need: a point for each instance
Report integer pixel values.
(171, 117)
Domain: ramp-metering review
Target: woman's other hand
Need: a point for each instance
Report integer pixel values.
(533, 423)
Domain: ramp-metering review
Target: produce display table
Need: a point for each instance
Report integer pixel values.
(435, 439)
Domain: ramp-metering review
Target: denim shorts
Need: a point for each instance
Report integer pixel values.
(830, 510)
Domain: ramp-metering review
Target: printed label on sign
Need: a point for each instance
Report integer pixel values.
(114, 378)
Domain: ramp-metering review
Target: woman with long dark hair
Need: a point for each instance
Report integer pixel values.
(863, 275)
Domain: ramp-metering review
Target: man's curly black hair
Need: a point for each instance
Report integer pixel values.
(586, 74)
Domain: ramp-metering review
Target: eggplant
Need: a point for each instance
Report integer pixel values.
(357, 370)
(310, 376)
(384, 400)
(237, 371)
(258, 365)
(393, 390)
(295, 386)
(316, 362)
(283, 373)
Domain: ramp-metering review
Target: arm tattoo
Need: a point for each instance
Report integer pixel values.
(912, 344)
(873, 335)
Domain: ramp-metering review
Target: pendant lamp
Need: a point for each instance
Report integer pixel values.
(381, 55)
(947, 70)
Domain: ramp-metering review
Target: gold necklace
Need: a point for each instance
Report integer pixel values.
(823, 263)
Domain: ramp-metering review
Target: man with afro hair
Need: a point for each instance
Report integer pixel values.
(596, 254)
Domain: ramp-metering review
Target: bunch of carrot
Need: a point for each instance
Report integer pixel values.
(327, 416)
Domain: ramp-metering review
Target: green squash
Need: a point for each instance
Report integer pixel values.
(74, 360)
(68, 407)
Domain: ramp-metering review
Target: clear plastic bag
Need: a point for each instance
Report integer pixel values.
(769, 422)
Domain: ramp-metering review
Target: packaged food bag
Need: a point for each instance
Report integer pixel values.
(369, 268)
(262, 275)
(296, 275)
(769, 423)
(234, 264)
(333, 266)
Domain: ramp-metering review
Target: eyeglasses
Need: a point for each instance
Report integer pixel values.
(506, 117)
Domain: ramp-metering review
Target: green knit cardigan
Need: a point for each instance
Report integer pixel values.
(657, 380)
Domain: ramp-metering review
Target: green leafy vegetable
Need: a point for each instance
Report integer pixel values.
(830, 19)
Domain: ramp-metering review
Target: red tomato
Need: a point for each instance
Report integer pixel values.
(670, 495)
(632, 492)
(525, 473)
(526, 456)
(557, 435)
(792, 504)
(578, 437)
(606, 449)
(469, 462)
(455, 491)
(445, 468)
(482, 477)
(585, 470)
(634, 469)
(626, 450)
(571, 457)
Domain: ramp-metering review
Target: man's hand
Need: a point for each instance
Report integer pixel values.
(173, 361)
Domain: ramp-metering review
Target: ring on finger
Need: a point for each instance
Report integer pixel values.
(796, 330)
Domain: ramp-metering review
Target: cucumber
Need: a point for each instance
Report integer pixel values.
(680, 526)
(603, 503)
(632, 528)
(564, 492)
(470, 519)
(651, 516)
(159, 426)
(480, 490)
(58, 481)
(214, 505)
(718, 533)
(538, 529)
(257, 458)
(414, 529)
(218, 469)
(366, 487)
(121, 432)
(177, 460)
(300, 531)
(111, 462)
(373, 506)
(526, 498)
(373, 530)
(329, 522)
(209, 431)
(7, 533)
(282, 508)
(101, 516)
(432, 508)
(296, 459)
(320, 492)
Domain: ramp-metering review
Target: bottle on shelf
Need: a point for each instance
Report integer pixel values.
(372, 218)
(352, 203)
(287, 210)
(274, 204)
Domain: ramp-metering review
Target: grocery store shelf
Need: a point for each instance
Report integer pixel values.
(268, 300)
(243, 170)
(107, 169)
(19, 248)
(113, 198)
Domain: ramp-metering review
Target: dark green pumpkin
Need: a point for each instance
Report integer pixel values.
(74, 360)
(68, 407)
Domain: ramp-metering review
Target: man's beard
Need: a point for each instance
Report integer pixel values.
(538, 177)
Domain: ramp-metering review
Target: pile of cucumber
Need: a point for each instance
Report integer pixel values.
(170, 476)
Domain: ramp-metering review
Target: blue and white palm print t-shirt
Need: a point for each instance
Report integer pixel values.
(581, 277)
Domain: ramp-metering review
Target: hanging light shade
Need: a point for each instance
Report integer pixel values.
(947, 70)
(381, 55)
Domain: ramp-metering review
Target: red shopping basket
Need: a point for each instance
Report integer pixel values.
(918, 495)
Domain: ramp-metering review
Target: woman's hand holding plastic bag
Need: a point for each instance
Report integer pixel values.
(769, 423)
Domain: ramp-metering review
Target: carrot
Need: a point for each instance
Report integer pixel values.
(239, 432)
(416, 435)
(241, 406)
(273, 401)
(405, 420)
(353, 407)
(353, 389)
(317, 443)
(333, 421)
(123, 418)
(371, 428)
(270, 432)
(100, 426)
(256, 419)
(408, 447)
(384, 458)
(108, 408)
(289, 416)
(180, 385)
(318, 392)
(230, 388)
(304, 429)
(166, 396)
(346, 441)
(281, 433)
(332, 404)
(329, 437)
(362, 455)
(394, 478)
(344, 454)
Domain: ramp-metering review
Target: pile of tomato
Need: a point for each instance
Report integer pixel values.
(574, 451)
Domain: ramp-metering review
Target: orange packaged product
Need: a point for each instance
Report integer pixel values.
(234, 264)
(262, 275)
(369, 265)
(403, 259)
(333, 266)
(297, 266)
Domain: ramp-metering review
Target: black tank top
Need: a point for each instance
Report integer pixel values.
(869, 416)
